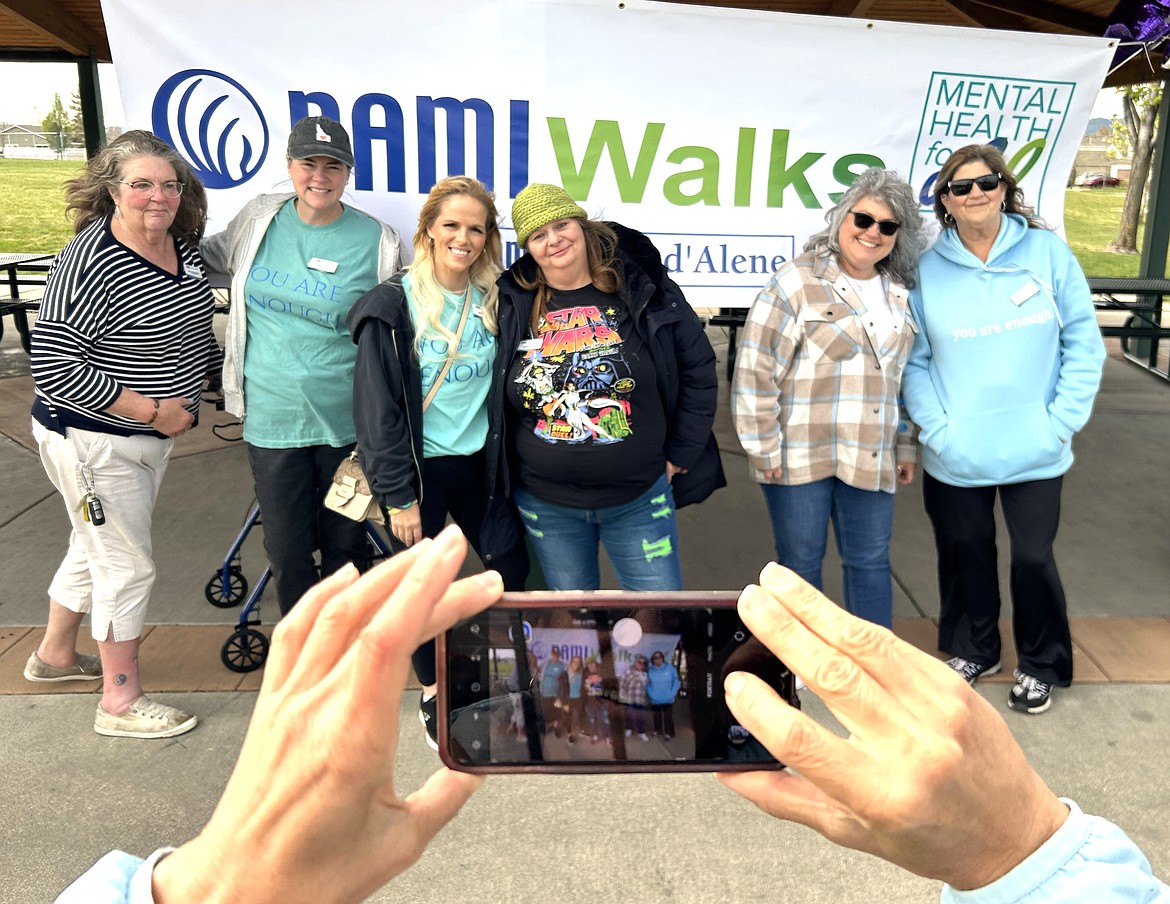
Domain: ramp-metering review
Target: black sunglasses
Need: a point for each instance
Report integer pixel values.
(863, 221)
(987, 184)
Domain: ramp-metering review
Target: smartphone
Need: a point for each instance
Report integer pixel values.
(601, 682)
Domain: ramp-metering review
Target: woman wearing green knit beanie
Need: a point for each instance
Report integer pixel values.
(602, 399)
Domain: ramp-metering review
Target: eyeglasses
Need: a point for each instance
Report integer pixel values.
(863, 221)
(145, 189)
(987, 184)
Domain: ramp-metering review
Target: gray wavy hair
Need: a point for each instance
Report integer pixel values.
(87, 197)
(890, 188)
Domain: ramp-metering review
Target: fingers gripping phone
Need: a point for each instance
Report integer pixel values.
(601, 682)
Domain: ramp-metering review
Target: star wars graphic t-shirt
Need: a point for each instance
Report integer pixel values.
(591, 431)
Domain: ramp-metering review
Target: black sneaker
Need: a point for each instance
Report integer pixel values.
(428, 714)
(1030, 694)
(972, 671)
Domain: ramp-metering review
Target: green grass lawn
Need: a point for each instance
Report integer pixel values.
(34, 204)
(1091, 218)
(34, 218)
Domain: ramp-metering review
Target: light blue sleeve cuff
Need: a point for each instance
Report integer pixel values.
(118, 878)
(1088, 859)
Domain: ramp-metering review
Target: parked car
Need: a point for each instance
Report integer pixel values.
(1097, 180)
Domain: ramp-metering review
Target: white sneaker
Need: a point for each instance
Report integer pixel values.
(87, 668)
(144, 719)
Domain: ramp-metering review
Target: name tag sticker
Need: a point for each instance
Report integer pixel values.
(319, 263)
(1023, 293)
(530, 345)
(192, 271)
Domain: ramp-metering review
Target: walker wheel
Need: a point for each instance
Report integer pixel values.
(225, 597)
(245, 650)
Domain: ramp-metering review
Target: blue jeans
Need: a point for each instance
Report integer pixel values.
(863, 521)
(640, 538)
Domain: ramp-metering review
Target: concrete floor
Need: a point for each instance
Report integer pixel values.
(68, 795)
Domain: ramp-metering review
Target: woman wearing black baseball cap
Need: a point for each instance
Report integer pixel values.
(297, 262)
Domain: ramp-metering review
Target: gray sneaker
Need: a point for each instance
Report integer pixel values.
(88, 668)
(1030, 694)
(972, 671)
(144, 719)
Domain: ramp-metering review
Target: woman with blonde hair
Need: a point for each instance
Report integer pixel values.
(426, 347)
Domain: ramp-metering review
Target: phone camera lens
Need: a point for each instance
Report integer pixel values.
(740, 637)
(475, 687)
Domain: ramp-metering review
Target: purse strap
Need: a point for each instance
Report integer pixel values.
(454, 347)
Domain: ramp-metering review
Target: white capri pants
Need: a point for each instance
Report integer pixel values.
(108, 570)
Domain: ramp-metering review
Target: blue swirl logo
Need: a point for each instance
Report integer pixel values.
(214, 123)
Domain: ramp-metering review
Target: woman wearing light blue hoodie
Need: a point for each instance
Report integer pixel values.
(662, 686)
(1003, 372)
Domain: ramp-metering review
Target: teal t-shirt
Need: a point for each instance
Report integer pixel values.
(456, 423)
(299, 359)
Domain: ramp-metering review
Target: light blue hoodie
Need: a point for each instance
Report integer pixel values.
(1007, 360)
(662, 683)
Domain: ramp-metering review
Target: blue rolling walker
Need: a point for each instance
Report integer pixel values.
(247, 649)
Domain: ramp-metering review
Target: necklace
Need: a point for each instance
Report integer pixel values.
(459, 296)
(858, 288)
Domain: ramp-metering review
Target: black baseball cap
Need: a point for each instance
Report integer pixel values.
(320, 136)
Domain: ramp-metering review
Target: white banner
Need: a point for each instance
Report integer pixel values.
(723, 134)
(583, 642)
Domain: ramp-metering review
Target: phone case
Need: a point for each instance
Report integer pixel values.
(561, 682)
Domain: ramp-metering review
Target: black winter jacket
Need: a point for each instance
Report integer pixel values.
(683, 360)
(387, 394)
(388, 411)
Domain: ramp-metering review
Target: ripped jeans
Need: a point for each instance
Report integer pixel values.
(640, 539)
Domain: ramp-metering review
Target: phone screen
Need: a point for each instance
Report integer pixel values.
(628, 682)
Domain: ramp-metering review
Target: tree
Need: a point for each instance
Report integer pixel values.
(56, 127)
(1136, 134)
(76, 121)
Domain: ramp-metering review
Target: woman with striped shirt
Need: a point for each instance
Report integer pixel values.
(119, 353)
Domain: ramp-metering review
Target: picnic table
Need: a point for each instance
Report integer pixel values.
(19, 270)
(1143, 328)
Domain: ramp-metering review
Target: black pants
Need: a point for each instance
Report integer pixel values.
(968, 577)
(454, 485)
(290, 487)
(663, 718)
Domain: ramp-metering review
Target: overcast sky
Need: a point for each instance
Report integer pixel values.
(27, 89)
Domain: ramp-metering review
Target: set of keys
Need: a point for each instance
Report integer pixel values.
(91, 509)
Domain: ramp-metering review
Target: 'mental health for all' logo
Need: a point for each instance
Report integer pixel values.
(215, 123)
(1022, 117)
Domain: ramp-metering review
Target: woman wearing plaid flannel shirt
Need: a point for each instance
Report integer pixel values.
(815, 394)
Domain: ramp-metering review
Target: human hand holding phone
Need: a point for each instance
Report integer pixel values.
(311, 812)
(929, 770)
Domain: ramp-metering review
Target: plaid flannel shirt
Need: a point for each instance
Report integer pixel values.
(815, 391)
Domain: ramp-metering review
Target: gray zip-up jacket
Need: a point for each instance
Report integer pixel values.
(230, 254)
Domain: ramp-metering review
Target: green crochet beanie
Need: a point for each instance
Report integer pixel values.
(539, 204)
